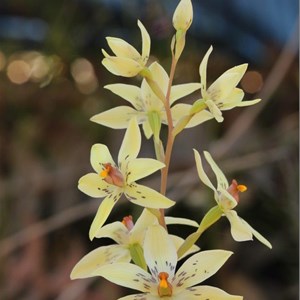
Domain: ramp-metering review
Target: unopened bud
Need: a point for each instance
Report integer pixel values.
(183, 15)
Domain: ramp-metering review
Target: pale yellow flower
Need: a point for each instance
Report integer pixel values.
(129, 238)
(147, 108)
(111, 180)
(127, 62)
(227, 198)
(223, 94)
(183, 15)
(163, 281)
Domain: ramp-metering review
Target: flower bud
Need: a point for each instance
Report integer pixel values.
(183, 15)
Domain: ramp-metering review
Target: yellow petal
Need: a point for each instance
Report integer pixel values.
(243, 231)
(146, 197)
(240, 70)
(261, 238)
(240, 230)
(203, 71)
(199, 267)
(222, 180)
(179, 111)
(117, 117)
(200, 118)
(116, 231)
(160, 76)
(215, 111)
(103, 212)
(131, 143)
(122, 66)
(99, 257)
(131, 93)
(122, 49)
(182, 110)
(224, 85)
(92, 185)
(248, 102)
(150, 101)
(137, 233)
(146, 42)
(202, 175)
(160, 251)
(233, 100)
(127, 275)
(142, 167)
(100, 155)
(206, 292)
(182, 90)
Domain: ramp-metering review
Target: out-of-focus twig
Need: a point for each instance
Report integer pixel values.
(247, 117)
(76, 289)
(44, 227)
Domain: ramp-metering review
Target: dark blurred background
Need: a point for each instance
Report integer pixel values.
(51, 83)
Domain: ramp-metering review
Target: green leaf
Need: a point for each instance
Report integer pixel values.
(155, 123)
(137, 255)
(212, 216)
(188, 243)
(181, 124)
(180, 43)
(198, 106)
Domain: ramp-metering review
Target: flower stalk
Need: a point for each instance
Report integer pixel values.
(144, 255)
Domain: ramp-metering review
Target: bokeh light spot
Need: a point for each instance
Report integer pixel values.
(252, 82)
(40, 68)
(83, 73)
(18, 71)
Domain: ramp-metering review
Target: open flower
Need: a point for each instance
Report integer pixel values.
(227, 198)
(223, 94)
(147, 107)
(112, 180)
(129, 238)
(162, 282)
(127, 62)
